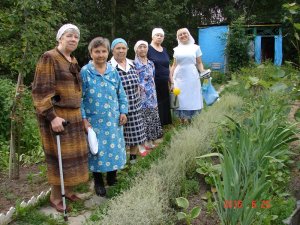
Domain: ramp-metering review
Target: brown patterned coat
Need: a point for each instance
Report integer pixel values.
(56, 91)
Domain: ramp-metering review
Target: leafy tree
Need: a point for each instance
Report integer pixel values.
(292, 13)
(24, 35)
(237, 45)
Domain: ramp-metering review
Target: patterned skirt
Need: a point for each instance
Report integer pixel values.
(152, 124)
(134, 132)
(73, 148)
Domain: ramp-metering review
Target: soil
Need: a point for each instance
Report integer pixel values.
(32, 182)
(208, 216)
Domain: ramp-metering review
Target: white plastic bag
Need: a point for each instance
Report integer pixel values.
(93, 142)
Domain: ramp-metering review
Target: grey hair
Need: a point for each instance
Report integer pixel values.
(99, 41)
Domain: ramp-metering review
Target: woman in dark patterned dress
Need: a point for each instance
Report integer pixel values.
(145, 69)
(134, 132)
(56, 93)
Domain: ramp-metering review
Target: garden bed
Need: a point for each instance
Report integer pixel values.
(31, 183)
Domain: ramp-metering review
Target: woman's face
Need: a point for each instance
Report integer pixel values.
(99, 55)
(69, 41)
(183, 36)
(120, 52)
(158, 38)
(142, 50)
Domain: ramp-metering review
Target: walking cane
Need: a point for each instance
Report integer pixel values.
(61, 174)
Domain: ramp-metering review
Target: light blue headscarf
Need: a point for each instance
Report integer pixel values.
(117, 41)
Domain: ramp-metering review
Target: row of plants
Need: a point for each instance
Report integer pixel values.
(252, 154)
(253, 169)
(151, 196)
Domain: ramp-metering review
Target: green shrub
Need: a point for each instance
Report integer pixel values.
(254, 159)
(29, 139)
(7, 91)
(281, 208)
(237, 45)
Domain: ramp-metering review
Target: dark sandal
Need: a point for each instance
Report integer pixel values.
(73, 198)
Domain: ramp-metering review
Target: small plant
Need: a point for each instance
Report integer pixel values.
(210, 206)
(185, 215)
(189, 187)
(208, 170)
(30, 177)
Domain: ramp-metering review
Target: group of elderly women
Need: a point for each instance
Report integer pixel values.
(125, 102)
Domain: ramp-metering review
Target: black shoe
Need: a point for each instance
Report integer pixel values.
(111, 178)
(100, 191)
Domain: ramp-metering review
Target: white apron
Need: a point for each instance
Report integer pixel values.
(186, 77)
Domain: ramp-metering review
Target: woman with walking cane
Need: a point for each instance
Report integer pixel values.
(56, 93)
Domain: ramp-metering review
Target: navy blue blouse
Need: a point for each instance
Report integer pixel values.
(161, 62)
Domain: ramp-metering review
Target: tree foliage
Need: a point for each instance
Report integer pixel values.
(27, 28)
(237, 45)
(30, 25)
(292, 16)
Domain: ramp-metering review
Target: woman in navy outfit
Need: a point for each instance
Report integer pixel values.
(161, 59)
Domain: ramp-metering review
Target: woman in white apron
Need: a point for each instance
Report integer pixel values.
(185, 76)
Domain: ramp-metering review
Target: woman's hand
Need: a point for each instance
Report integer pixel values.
(123, 119)
(86, 125)
(57, 125)
(171, 86)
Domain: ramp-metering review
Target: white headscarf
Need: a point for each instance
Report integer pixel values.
(191, 39)
(63, 29)
(140, 42)
(158, 31)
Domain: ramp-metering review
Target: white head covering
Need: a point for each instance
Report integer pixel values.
(191, 40)
(158, 31)
(65, 27)
(140, 42)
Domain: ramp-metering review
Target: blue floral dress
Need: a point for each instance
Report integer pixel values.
(103, 100)
(149, 99)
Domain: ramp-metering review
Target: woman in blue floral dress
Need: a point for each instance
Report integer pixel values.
(104, 105)
(145, 69)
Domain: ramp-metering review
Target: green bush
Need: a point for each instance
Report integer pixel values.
(281, 208)
(29, 139)
(7, 91)
(250, 82)
(237, 45)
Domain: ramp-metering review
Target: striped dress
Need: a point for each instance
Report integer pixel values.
(56, 91)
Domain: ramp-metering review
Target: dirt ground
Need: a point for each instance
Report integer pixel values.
(207, 216)
(31, 183)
